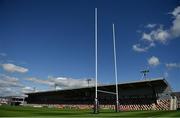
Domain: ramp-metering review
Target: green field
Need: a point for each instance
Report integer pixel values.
(14, 111)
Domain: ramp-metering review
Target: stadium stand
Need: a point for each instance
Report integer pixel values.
(177, 94)
(152, 94)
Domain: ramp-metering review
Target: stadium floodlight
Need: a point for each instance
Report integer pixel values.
(55, 86)
(88, 81)
(144, 74)
(96, 110)
(115, 67)
(34, 89)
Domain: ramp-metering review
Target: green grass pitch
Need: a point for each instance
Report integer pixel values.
(14, 111)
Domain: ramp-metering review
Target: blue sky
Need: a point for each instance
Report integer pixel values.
(43, 39)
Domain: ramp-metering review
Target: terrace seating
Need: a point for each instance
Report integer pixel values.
(126, 104)
(163, 104)
(143, 104)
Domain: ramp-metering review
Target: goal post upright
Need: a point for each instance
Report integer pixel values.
(96, 110)
(115, 67)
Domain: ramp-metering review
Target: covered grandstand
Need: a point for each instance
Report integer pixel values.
(152, 94)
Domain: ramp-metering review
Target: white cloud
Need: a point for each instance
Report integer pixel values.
(176, 11)
(139, 48)
(161, 35)
(175, 28)
(8, 81)
(14, 68)
(40, 81)
(63, 82)
(147, 37)
(27, 89)
(153, 61)
(8, 91)
(158, 35)
(151, 25)
(10, 86)
(173, 65)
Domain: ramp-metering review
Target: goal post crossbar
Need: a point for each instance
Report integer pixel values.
(108, 92)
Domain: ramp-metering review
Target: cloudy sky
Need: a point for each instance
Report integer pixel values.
(46, 44)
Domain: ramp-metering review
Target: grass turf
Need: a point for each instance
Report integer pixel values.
(19, 111)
